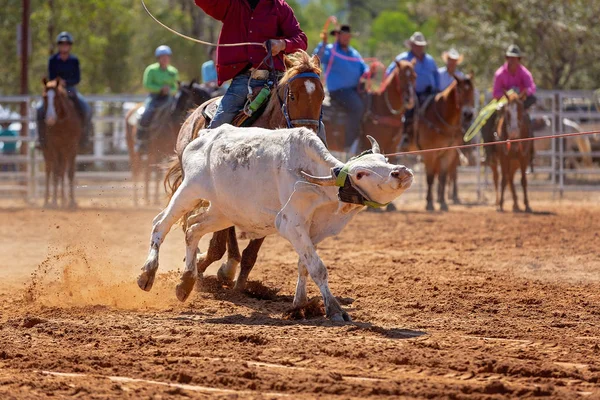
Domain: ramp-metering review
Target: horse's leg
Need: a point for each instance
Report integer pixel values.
(513, 169)
(453, 176)
(216, 250)
(442, 189)
(430, 171)
(248, 260)
(445, 163)
(227, 271)
(71, 172)
(55, 180)
(63, 172)
(48, 165)
(504, 168)
(524, 161)
(494, 168)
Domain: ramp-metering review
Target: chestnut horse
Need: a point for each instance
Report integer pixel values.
(440, 125)
(511, 123)
(63, 131)
(162, 137)
(296, 101)
(385, 109)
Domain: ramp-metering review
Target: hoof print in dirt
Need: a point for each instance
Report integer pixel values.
(312, 309)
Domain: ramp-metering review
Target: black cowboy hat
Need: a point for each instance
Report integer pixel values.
(341, 29)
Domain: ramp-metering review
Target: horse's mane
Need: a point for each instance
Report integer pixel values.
(300, 62)
(443, 95)
(53, 84)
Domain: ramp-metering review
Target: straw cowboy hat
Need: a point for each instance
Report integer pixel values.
(513, 51)
(452, 54)
(417, 38)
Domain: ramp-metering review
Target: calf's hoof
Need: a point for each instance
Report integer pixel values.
(226, 273)
(146, 280)
(184, 288)
(391, 207)
(341, 316)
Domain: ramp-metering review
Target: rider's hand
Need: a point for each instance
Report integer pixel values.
(165, 90)
(323, 36)
(277, 46)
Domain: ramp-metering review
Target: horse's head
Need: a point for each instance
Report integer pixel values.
(404, 82)
(53, 90)
(189, 95)
(465, 90)
(511, 118)
(300, 92)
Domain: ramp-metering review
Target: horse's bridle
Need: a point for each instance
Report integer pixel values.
(404, 93)
(284, 103)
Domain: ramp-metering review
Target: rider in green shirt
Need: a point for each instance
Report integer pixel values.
(160, 79)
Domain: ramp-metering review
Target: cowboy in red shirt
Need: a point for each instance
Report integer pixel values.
(250, 21)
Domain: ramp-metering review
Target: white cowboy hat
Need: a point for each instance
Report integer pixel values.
(513, 51)
(417, 38)
(452, 54)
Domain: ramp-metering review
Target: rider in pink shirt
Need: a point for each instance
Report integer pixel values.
(513, 75)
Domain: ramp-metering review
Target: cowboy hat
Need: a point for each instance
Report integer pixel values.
(452, 54)
(513, 51)
(417, 38)
(343, 29)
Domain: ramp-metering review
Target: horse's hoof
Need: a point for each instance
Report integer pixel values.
(429, 207)
(184, 288)
(146, 280)
(500, 209)
(444, 207)
(528, 210)
(516, 210)
(73, 205)
(391, 207)
(456, 200)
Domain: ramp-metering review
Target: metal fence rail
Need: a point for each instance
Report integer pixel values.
(107, 169)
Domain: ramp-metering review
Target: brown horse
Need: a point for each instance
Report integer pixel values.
(440, 125)
(385, 108)
(299, 94)
(63, 131)
(511, 123)
(163, 136)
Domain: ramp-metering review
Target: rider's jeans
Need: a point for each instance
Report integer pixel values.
(234, 99)
(350, 99)
(153, 102)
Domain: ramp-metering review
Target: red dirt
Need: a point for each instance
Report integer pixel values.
(468, 304)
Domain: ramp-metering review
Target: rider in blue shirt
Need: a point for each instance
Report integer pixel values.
(66, 66)
(344, 66)
(428, 77)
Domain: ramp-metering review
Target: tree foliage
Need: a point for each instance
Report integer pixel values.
(115, 39)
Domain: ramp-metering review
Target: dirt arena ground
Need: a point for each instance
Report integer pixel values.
(466, 304)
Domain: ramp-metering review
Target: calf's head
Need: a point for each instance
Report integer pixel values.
(372, 174)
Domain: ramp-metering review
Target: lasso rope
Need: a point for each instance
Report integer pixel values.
(468, 146)
(198, 40)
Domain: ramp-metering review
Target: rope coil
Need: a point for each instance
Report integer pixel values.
(198, 40)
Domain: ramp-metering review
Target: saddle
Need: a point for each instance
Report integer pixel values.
(160, 113)
(209, 109)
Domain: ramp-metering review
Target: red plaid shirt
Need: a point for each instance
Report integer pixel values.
(271, 19)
